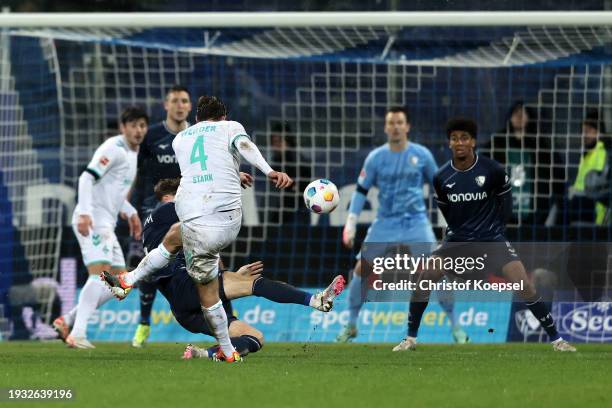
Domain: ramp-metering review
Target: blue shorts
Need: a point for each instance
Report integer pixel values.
(415, 230)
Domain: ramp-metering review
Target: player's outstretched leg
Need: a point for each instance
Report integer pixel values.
(324, 300)
(515, 272)
(281, 292)
(117, 285)
(122, 284)
(155, 260)
(248, 281)
(355, 301)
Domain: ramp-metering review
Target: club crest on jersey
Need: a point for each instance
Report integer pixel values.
(480, 180)
(414, 160)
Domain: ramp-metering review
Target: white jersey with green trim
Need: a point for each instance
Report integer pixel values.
(209, 162)
(114, 166)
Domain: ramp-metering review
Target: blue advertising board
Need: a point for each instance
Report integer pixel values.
(485, 322)
(589, 322)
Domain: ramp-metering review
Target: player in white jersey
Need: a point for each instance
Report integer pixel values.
(208, 202)
(102, 196)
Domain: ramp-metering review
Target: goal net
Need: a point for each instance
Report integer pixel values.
(313, 98)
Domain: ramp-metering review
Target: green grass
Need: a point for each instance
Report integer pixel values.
(316, 375)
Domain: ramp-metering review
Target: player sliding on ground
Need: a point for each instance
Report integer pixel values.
(208, 203)
(474, 194)
(180, 291)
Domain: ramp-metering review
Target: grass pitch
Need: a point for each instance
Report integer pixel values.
(307, 375)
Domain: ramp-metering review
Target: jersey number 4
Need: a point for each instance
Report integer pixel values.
(197, 153)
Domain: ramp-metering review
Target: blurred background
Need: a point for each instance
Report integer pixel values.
(313, 100)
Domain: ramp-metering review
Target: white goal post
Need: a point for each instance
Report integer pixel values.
(307, 19)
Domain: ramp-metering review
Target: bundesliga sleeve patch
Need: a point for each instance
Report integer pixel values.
(104, 161)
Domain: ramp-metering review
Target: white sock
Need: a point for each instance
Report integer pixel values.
(70, 316)
(89, 298)
(314, 301)
(105, 296)
(153, 262)
(217, 320)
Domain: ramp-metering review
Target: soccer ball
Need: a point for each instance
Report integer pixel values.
(321, 196)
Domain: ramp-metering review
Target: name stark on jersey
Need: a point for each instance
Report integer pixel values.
(202, 178)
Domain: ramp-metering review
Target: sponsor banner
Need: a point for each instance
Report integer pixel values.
(485, 322)
(117, 321)
(589, 322)
(524, 326)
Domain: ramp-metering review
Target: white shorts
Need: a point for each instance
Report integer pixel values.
(100, 247)
(204, 237)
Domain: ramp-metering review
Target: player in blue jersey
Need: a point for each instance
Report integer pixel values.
(475, 197)
(156, 161)
(172, 280)
(399, 169)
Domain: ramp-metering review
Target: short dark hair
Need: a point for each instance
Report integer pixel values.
(593, 123)
(281, 127)
(132, 113)
(166, 186)
(210, 107)
(592, 120)
(177, 88)
(461, 124)
(399, 109)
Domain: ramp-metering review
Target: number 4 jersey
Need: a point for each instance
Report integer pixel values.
(209, 162)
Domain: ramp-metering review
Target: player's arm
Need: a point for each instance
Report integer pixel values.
(131, 215)
(247, 149)
(431, 167)
(246, 180)
(103, 159)
(137, 192)
(367, 178)
(85, 193)
(440, 196)
(502, 189)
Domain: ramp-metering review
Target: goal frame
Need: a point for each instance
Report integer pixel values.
(307, 19)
